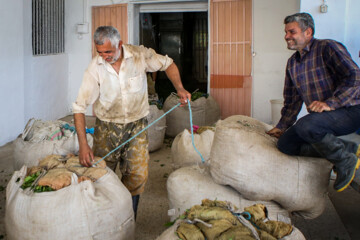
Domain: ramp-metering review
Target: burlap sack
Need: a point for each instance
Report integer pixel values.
(51, 161)
(224, 225)
(246, 158)
(58, 170)
(56, 178)
(170, 233)
(205, 112)
(183, 152)
(156, 132)
(86, 210)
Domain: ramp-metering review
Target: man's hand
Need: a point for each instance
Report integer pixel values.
(275, 132)
(86, 156)
(317, 106)
(184, 96)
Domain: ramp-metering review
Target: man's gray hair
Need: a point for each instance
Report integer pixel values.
(104, 33)
(305, 21)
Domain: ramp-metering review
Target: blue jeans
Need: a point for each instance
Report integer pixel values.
(312, 128)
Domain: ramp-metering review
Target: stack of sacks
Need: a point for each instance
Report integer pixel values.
(205, 112)
(246, 158)
(43, 138)
(187, 186)
(156, 132)
(221, 220)
(183, 152)
(64, 200)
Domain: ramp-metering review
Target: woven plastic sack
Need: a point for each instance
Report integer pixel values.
(156, 132)
(183, 152)
(246, 158)
(188, 186)
(86, 210)
(37, 130)
(205, 112)
(34, 143)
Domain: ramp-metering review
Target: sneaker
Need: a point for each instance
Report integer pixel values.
(345, 175)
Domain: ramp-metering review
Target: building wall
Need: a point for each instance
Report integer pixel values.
(45, 79)
(341, 22)
(270, 52)
(11, 70)
(352, 33)
(31, 87)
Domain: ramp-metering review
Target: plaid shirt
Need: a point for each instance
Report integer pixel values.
(323, 72)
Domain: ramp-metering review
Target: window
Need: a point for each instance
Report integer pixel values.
(48, 27)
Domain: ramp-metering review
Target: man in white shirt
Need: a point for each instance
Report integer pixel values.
(115, 82)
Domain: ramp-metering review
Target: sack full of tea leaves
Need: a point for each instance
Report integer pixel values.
(244, 157)
(156, 132)
(205, 112)
(60, 199)
(44, 138)
(221, 220)
(183, 152)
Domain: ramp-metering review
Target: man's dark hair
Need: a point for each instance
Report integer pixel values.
(305, 21)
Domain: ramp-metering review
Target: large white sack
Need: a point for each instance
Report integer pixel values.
(188, 186)
(37, 130)
(246, 158)
(82, 211)
(169, 234)
(29, 153)
(156, 132)
(205, 112)
(183, 152)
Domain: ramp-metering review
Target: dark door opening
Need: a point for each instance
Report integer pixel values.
(184, 38)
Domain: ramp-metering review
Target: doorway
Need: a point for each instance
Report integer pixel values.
(183, 36)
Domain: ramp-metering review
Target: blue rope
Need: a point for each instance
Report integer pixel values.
(192, 133)
(191, 126)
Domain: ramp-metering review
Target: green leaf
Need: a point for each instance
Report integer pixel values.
(169, 224)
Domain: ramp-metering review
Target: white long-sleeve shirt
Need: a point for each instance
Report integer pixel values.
(123, 97)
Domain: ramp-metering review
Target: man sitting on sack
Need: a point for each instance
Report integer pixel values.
(322, 74)
(115, 82)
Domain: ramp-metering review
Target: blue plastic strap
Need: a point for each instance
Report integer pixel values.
(192, 133)
(137, 134)
(191, 127)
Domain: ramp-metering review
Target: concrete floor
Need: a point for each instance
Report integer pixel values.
(340, 220)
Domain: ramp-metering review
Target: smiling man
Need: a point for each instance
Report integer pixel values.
(322, 74)
(116, 83)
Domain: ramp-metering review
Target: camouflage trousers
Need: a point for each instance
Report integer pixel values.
(133, 157)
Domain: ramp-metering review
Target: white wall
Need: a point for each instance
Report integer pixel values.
(352, 30)
(341, 22)
(11, 70)
(271, 53)
(78, 47)
(31, 87)
(45, 79)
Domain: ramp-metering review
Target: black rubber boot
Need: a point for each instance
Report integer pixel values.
(346, 162)
(135, 201)
(307, 150)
